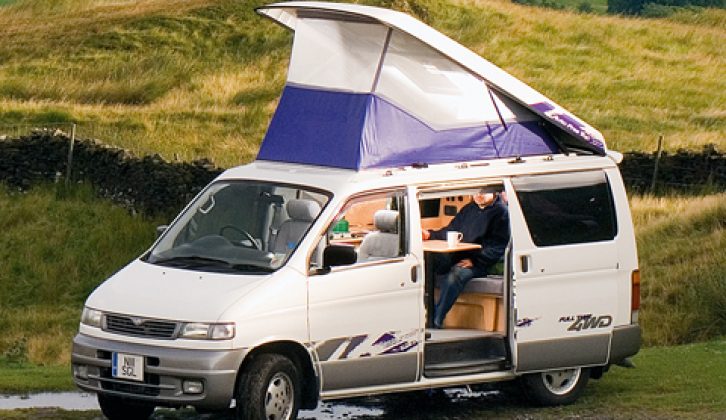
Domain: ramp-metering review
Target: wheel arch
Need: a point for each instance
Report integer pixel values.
(297, 353)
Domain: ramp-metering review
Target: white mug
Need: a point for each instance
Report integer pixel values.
(453, 238)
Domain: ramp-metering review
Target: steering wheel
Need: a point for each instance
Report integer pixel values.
(243, 233)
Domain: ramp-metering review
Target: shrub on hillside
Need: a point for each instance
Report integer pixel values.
(658, 8)
(625, 7)
(550, 4)
(585, 7)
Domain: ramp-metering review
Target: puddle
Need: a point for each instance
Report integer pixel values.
(410, 405)
(64, 400)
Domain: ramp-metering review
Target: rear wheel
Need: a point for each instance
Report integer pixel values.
(116, 408)
(555, 387)
(269, 389)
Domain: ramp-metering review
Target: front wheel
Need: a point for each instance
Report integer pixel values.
(555, 387)
(269, 389)
(115, 408)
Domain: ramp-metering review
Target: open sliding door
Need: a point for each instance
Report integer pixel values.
(564, 263)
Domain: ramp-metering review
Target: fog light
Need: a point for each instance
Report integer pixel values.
(192, 387)
(80, 372)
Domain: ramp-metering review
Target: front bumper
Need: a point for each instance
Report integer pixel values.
(165, 369)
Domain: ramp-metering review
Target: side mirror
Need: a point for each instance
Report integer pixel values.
(337, 255)
(161, 229)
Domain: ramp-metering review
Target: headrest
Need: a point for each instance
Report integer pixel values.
(386, 220)
(303, 210)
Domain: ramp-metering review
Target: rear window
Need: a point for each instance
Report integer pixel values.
(567, 208)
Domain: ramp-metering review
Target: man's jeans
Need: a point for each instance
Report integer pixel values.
(451, 287)
(457, 277)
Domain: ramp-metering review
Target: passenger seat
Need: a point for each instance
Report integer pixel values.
(383, 243)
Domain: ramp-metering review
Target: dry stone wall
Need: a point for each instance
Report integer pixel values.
(150, 184)
(154, 186)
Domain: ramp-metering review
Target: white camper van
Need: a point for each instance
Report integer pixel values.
(303, 276)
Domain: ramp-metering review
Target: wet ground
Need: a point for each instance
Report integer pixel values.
(415, 405)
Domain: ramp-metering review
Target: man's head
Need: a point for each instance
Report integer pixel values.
(485, 196)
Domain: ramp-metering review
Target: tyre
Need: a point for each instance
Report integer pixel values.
(555, 387)
(115, 408)
(270, 389)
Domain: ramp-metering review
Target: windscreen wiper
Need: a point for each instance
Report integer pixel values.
(192, 262)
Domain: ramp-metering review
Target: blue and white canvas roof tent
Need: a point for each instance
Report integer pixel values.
(371, 88)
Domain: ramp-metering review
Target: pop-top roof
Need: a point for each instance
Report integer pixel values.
(370, 87)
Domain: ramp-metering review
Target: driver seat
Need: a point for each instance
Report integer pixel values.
(302, 213)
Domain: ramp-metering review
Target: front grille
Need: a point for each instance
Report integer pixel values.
(140, 327)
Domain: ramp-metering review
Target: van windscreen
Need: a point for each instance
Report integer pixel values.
(248, 227)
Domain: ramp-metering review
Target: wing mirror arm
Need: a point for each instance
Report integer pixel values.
(161, 229)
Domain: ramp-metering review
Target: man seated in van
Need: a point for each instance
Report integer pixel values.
(484, 221)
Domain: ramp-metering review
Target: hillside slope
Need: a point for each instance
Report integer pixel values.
(55, 251)
(200, 78)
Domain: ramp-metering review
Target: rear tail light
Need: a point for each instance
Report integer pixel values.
(635, 295)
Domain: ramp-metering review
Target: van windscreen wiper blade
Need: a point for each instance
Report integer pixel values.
(206, 262)
(192, 261)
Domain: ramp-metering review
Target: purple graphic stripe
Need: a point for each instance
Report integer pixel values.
(567, 121)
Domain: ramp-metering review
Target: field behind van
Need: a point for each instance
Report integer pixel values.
(56, 248)
(200, 78)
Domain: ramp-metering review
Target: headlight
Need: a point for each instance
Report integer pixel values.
(204, 331)
(91, 317)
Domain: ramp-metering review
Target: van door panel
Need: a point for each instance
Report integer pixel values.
(365, 324)
(566, 299)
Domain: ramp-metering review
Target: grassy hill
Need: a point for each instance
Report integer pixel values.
(200, 78)
(55, 251)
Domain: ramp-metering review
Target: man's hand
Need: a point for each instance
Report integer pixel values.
(465, 263)
(425, 234)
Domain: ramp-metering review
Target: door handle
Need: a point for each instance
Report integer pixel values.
(524, 263)
(414, 273)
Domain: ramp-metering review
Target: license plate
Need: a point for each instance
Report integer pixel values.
(127, 366)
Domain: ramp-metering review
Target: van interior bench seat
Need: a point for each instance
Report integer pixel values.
(480, 306)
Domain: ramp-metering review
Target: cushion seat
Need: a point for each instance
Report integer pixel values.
(490, 285)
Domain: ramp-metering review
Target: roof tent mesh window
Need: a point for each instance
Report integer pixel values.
(336, 55)
(432, 87)
(567, 208)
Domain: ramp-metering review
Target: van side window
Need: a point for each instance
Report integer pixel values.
(567, 208)
(373, 224)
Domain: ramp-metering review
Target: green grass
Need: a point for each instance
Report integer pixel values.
(668, 382)
(201, 78)
(20, 378)
(682, 251)
(680, 381)
(54, 252)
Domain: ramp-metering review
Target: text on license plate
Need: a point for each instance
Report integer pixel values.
(127, 366)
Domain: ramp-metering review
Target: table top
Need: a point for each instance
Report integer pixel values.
(440, 246)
